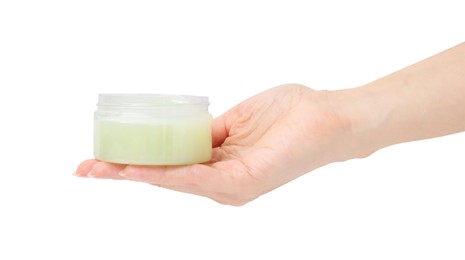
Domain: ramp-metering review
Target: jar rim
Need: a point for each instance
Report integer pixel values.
(149, 100)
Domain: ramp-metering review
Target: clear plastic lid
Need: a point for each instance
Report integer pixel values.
(150, 100)
(150, 105)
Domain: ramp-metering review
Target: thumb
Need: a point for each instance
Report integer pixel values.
(219, 130)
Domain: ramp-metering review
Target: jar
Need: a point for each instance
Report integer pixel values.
(149, 129)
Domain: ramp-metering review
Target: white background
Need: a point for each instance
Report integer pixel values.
(403, 202)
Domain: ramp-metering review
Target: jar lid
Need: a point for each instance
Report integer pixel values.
(150, 100)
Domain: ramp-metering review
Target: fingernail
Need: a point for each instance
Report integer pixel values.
(122, 174)
(90, 174)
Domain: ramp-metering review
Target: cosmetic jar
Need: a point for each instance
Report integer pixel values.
(150, 129)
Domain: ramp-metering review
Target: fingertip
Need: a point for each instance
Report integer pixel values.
(135, 171)
(105, 170)
(85, 167)
(126, 172)
(219, 131)
(122, 173)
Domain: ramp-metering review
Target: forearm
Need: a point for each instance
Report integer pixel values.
(421, 101)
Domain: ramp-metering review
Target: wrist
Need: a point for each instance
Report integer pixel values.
(366, 113)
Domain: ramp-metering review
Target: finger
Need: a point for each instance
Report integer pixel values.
(210, 195)
(186, 175)
(105, 170)
(219, 130)
(214, 182)
(193, 179)
(186, 189)
(84, 168)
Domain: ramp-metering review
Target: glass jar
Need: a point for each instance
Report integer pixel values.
(149, 129)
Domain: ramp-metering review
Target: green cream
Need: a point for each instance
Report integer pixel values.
(164, 141)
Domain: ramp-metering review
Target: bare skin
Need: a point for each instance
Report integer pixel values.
(287, 131)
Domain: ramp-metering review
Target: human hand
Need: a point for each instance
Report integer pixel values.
(259, 145)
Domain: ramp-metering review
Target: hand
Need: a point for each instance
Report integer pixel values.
(259, 145)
